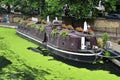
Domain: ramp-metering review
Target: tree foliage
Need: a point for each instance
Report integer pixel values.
(78, 8)
(110, 5)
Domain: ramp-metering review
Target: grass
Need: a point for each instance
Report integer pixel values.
(19, 63)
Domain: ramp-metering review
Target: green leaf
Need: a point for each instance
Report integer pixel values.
(107, 54)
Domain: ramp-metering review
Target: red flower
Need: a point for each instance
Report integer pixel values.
(91, 31)
(80, 29)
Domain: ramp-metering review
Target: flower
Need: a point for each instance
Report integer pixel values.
(79, 29)
(64, 26)
(70, 27)
(90, 31)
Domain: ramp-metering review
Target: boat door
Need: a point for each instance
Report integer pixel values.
(93, 42)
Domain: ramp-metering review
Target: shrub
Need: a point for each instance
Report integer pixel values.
(70, 27)
(64, 26)
(107, 54)
(90, 31)
(44, 21)
(105, 38)
(100, 42)
(54, 32)
(31, 24)
(79, 29)
(64, 34)
(21, 21)
(41, 28)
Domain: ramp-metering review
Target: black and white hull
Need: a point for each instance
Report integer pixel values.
(88, 56)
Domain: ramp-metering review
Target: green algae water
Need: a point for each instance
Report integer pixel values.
(19, 63)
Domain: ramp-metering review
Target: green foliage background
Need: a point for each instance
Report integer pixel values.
(78, 8)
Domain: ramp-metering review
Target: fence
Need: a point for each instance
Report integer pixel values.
(113, 32)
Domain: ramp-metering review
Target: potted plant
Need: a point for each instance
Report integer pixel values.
(64, 34)
(70, 27)
(79, 29)
(105, 38)
(42, 28)
(64, 26)
(21, 21)
(90, 31)
(31, 24)
(54, 32)
(31, 28)
(100, 42)
(44, 21)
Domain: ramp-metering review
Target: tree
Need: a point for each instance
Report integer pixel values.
(110, 5)
(78, 8)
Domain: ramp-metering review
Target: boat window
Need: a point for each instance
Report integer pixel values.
(63, 43)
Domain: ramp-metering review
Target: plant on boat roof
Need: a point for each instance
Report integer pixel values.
(39, 21)
(21, 21)
(41, 28)
(105, 38)
(31, 24)
(79, 29)
(38, 27)
(90, 31)
(44, 21)
(100, 42)
(64, 26)
(54, 32)
(64, 34)
(70, 27)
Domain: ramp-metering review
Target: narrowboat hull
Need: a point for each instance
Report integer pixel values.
(86, 56)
